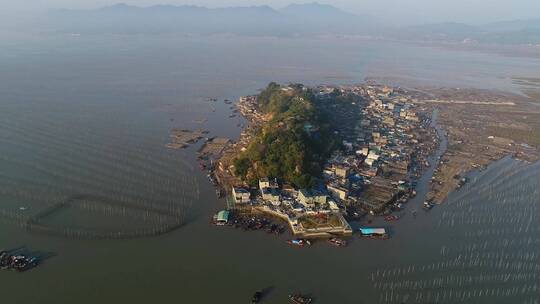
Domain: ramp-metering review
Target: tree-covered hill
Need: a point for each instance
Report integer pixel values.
(294, 144)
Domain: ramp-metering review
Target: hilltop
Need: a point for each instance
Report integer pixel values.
(294, 142)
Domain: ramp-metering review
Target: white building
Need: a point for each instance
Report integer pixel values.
(311, 198)
(241, 195)
(338, 192)
(265, 182)
(269, 190)
(271, 194)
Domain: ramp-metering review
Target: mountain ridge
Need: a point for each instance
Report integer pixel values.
(295, 19)
(310, 18)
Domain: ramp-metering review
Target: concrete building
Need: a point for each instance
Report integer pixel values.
(369, 161)
(271, 194)
(363, 151)
(241, 195)
(372, 155)
(333, 206)
(341, 171)
(269, 190)
(265, 182)
(311, 198)
(338, 192)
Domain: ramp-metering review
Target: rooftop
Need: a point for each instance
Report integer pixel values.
(240, 190)
(223, 216)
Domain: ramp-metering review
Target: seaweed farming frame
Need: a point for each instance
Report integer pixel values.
(166, 218)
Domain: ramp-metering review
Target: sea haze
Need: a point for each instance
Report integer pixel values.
(292, 20)
(251, 20)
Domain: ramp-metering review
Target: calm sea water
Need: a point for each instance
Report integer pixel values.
(90, 116)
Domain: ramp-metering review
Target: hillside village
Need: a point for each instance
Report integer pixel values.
(385, 140)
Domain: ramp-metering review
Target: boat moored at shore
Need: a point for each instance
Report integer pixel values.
(427, 206)
(337, 242)
(374, 233)
(299, 242)
(391, 218)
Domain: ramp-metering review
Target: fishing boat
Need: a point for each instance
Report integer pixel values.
(299, 242)
(24, 263)
(462, 182)
(221, 218)
(256, 297)
(427, 206)
(374, 233)
(390, 218)
(300, 299)
(18, 262)
(337, 242)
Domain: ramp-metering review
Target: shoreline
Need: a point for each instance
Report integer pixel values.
(479, 134)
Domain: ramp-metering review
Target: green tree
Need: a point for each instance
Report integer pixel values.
(241, 166)
(282, 148)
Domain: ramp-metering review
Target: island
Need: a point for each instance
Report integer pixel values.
(321, 157)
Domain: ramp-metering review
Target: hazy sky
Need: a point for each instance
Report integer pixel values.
(412, 11)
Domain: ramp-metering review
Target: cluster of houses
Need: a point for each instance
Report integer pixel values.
(386, 141)
(293, 206)
(382, 154)
(306, 201)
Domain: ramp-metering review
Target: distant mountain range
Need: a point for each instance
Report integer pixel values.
(295, 19)
(312, 18)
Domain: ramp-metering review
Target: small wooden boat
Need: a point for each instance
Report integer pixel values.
(300, 299)
(391, 218)
(337, 242)
(374, 233)
(299, 242)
